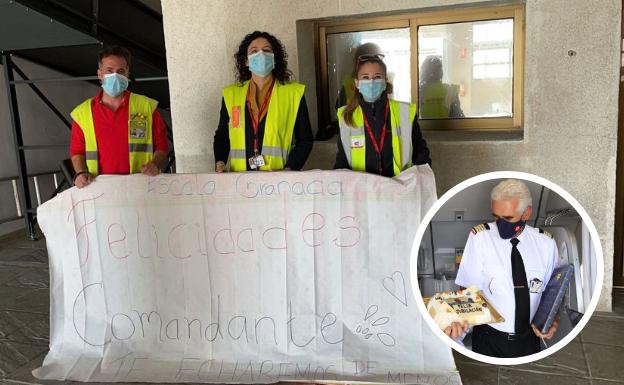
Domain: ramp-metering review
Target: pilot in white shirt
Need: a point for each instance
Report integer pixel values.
(511, 263)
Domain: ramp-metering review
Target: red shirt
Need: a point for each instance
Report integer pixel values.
(111, 133)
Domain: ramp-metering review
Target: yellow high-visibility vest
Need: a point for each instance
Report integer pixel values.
(354, 138)
(140, 141)
(435, 100)
(278, 126)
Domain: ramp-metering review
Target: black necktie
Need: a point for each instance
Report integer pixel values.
(521, 290)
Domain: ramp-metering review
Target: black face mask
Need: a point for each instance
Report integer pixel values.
(509, 229)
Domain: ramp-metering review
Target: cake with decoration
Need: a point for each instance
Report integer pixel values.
(468, 305)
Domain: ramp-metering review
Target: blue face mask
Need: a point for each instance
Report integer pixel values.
(371, 89)
(261, 63)
(114, 84)
(509, 229)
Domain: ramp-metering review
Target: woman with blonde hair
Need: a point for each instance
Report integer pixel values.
(377, 134)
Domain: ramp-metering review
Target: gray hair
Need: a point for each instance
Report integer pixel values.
(513, 188)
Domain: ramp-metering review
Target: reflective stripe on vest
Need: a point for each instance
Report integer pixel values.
(140, 144)
(354, 138)
(278, 126)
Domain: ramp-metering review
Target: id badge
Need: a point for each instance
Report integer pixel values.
(138, 127)
(256, 162)
(137, 133)
(252, 163)
(535, 285)
(357, 142)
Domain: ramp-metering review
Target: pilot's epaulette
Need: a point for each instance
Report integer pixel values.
(481, 227)
(546, 233)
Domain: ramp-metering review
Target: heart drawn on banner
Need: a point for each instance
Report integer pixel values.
(395, 285)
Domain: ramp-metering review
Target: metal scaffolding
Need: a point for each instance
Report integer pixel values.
(24, 204)
(41, 25)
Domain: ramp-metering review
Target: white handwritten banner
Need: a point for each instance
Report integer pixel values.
(239, 278)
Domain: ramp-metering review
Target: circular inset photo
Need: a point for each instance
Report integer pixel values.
(507, 267)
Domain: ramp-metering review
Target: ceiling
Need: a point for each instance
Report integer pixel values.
(66, 35)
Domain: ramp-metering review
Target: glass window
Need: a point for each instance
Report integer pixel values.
(470, 72)
(342, 49)
(462, 67)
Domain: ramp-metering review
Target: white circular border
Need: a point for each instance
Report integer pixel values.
(505, 175)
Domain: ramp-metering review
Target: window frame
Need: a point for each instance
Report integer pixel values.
(414, 20)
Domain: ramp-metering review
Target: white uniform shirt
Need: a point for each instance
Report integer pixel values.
(486, 263)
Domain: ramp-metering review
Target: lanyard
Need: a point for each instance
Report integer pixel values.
(378, 147)
(255, 123)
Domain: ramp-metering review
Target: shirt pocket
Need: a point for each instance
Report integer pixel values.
(494, 282)
(535, 281)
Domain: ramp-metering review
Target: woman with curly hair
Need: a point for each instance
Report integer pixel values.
(264, 123)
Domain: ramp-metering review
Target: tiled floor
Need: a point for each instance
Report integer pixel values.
(595, 357)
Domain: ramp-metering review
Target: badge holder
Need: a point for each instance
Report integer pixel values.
(138, 126)
(256, 161)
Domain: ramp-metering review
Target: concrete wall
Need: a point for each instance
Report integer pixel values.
(39, 126)
(570, 127)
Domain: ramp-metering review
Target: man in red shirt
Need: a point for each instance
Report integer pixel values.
(116, 132)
